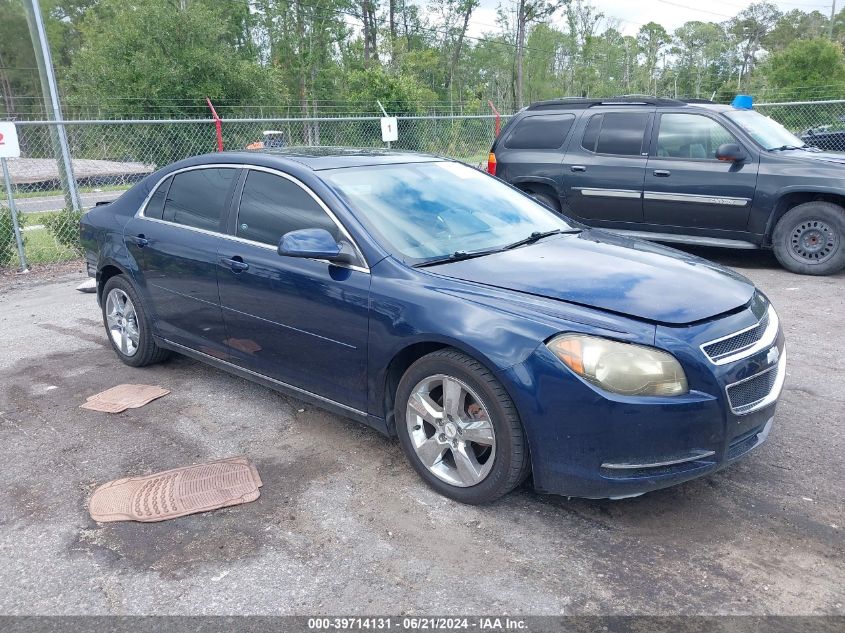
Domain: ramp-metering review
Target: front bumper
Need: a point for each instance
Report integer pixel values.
(588, 443)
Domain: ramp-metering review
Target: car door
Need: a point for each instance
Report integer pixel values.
(300, 321)
(687, 186)
(604, 169)
(175, 239)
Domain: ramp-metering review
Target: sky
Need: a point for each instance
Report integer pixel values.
(631, 14)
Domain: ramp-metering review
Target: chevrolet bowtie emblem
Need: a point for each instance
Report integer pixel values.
(773, 356)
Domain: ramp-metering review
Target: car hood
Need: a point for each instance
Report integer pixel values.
(612, 273)
(824, 157)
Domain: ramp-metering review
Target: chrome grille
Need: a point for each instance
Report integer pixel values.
(737, 342)
(745, 395)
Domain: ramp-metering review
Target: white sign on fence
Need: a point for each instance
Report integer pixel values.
(9, 147)
(389, 129)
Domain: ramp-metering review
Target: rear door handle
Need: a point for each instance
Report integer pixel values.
(664, 173)
(578, 168)
(140, 240)
(237, 264)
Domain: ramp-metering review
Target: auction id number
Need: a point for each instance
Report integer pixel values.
(422, 623)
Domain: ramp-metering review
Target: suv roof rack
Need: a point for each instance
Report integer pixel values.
(697, 101)
(586, 102)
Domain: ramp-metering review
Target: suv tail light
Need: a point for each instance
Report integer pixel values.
(491, 164)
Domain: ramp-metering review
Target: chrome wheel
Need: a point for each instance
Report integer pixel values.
(451, 431)
(122, 322)
(814, 241)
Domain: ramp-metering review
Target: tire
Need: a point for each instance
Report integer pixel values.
(128, 329)
(545, 199)
(487, 434)
(810, 239)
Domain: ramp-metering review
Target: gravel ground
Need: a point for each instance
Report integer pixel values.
(344, 526)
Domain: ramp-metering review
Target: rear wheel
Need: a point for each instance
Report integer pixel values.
(127, 324)
(545, 199)
(459, 428)
(808, 239)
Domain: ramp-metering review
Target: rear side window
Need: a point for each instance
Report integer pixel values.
(619, 133)
(271, 206)
(546, 131)
(155, 207)
(198, 197)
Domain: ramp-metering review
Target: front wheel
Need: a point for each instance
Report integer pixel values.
(808, 239)
(460, 429)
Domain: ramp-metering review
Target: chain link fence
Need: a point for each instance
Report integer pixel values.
(109, 156)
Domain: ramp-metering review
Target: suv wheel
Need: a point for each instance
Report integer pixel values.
(545, 199)
(127, 324)
(459, 428)
(808, 239)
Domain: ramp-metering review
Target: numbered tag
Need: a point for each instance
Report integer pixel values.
(9, 147)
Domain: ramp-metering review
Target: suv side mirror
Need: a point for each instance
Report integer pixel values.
(731, 153)
(315, 244)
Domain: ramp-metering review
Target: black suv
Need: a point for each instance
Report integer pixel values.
(681, 171)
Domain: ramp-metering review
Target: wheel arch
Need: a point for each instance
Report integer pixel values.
(544, 186)
(791, 199)
(407, 356)
(107, 271)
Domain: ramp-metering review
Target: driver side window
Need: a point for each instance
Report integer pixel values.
(272, 206)
(690, 136)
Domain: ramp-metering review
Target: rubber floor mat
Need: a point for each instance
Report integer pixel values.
(122, 397)
(177, 492)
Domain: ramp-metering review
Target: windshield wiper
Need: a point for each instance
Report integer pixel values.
(537, 236)
(457, 256)
(786, 147)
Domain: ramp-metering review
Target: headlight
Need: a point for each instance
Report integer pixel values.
(631, 370)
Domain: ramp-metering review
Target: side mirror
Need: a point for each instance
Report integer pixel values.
(731, 153)
(314, 244)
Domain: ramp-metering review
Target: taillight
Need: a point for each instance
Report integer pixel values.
(491, 164)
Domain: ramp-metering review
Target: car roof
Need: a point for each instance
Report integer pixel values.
(314, 158)
(632, 101)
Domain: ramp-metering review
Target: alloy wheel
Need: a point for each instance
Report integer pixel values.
(451, 431)
(122, 322)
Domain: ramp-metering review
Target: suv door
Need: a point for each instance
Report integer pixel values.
(303, 322)
(174, 240)
(604, 168)
(687, 186)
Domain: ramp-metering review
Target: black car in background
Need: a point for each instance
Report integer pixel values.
(827, 137)
(677, 171)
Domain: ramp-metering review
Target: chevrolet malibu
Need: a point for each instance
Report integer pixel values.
(496, 338)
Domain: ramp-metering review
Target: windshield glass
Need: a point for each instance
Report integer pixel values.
(767, 132)
(422, 211)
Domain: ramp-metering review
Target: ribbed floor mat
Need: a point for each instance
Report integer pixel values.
(175, 493)
(122, 397)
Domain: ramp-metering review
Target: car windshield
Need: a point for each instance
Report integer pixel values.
(767, 132)
(427, 211)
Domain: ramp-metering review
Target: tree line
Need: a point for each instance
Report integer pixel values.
(162, 58)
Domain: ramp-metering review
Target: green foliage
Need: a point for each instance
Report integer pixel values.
(64, 226)
(152, 53)
(816, 63)
(8, 245)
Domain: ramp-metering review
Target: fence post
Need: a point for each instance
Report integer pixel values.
(217, 125)
(498, 117)
(7, 178)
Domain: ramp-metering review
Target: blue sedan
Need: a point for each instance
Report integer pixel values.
(496, 338)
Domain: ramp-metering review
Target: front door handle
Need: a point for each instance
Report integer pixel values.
(236, 264)
(578, 168)
(662, 173)
(140, 240)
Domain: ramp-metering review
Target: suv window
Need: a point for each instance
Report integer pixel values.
(690, 136)
(619, 133)
(272, 206)
(546, 131)
(198, 197)
(155, 207)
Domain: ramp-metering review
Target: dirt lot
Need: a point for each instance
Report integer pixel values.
(344, 526)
